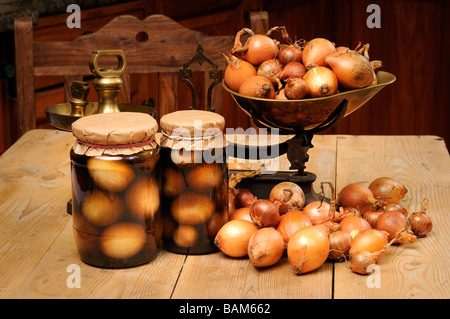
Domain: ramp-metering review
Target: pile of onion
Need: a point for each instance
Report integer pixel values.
(297, 69)
(357, 226)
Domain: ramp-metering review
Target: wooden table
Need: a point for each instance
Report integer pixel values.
(38, 253)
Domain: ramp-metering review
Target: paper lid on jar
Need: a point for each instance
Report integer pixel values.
(192, 129)
(114, 133)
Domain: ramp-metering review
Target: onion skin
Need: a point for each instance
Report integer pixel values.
(321, 81)
(257, 86)
(352, 69)
(270, 68)
(361, 261)
(291, 222)
(308, 249)
(264, 213)
(388, 190)
(371, 240)
(233, 237)
(280, 95)
(315, 52)
(257, 49)
(265, 247)
(372, 217)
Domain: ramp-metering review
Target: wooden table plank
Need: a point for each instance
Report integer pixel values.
(50, 277)
(422, 163)
(34, 187)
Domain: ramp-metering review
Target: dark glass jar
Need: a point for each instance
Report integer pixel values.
(194, 181)
(115, 190)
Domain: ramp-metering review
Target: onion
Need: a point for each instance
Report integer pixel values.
(356, 195)
(292, 70)
(257, 86)
(295, 89)
(421, 223)
(352, 69)
(344, 212)
(288, 196)
(317, 212)
(371, 240)
(265, 247)
(321, 81)
(237, 71)
(242, 213)
(362, 259)
(387, 207)
(372, 216)
(257, 49)
(308, 249)
(354, 224)
(315, 52)
(290, 53)
(340, 243)
(244, 198)
(388, 189)
(291, 222)
(397, 226)
(264, 213)
(270, 69)
(233, 237)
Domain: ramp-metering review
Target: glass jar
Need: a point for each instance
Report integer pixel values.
(194, 180)
(115, 189)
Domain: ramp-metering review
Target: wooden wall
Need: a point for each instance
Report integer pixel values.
(412, 43)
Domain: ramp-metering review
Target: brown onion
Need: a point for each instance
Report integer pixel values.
(244, 198)
(257, 49)
(315, 52)
(340, 243)
(421, 223)
(237, 71)
(288, 196)
(356, 195)
(296, 89)
(292, 70)
(372, 240)
(265, 247)
(264, 213)
(395, 224)
(270, 68)
(232, 238)
(340, 214)
(321, 81)
(372, 216)
(308, 249)
(257, 86)
(394, 207)
(290, 53)
(354, 225)
(352, 69)
(388, 189)
(291, 222)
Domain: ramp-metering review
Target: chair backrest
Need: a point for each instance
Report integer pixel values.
(156, 44)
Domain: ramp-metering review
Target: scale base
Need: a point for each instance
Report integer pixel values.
(261, 185)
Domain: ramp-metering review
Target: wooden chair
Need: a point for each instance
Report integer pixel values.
(156, 44)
